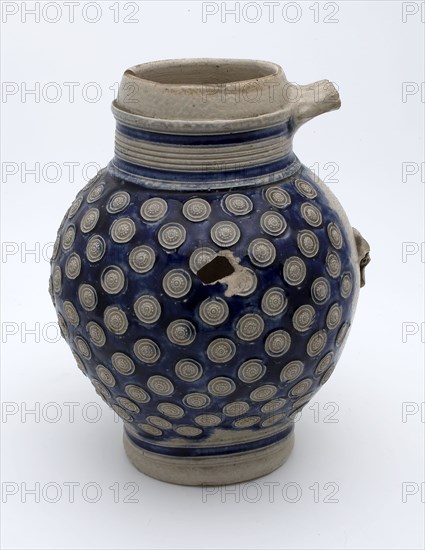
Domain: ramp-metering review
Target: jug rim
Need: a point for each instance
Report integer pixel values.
(204, 71)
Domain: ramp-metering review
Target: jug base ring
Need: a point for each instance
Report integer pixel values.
(210, 470)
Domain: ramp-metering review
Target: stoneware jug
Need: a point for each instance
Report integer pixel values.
(206, 280)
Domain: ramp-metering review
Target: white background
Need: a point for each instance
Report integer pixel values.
(354, 437)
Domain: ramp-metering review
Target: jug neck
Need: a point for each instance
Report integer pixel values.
(189, 161)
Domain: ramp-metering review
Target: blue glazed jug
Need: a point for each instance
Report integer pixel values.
(206, 280)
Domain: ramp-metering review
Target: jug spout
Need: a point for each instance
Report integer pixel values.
(315, 99)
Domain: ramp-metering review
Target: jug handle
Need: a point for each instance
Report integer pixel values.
(363, 256)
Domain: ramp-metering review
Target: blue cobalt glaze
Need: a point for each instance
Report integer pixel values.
(180, 360)
(284, 129)
(239, 175)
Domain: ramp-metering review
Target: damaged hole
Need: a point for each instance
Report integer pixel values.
(216, 269)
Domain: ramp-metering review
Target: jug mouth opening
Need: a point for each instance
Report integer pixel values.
(204, 72)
